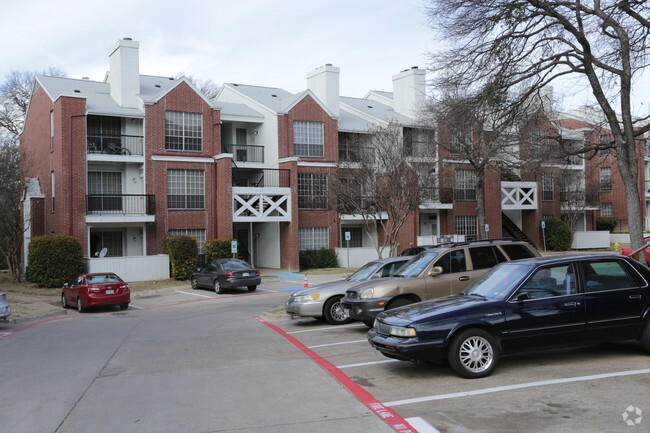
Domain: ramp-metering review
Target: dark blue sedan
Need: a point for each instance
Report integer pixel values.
(523, 306)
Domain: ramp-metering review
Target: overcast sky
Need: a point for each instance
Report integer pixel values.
(261, 42)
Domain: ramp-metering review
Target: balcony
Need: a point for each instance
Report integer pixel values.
(244, 152)
(519, 195)
(436, 198)
(261, 178)
(121, 205)
(579, 200)
(115, 144)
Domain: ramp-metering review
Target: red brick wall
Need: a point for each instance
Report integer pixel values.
(183, 98)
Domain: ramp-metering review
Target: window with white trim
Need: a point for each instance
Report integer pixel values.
(198, 234)
(307, 138)
(460, 138)
(606, 178)
(467, 225)
(464, 185)
(185, 189)
(547, 187)
(606, 210)
(51, 131)
(313, 238)
(312, 191)
(183, 131)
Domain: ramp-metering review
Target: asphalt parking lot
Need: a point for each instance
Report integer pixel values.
(603, 388)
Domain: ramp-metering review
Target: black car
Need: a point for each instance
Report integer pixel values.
(523, 306)
(222, 274)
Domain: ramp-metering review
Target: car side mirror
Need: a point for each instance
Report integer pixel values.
(66, 285)
(523, 297)
(435, 271)
(375, 276)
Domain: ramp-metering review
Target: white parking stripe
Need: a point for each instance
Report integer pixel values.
(269, 290)
(136, 307)
(512, 387)
(336, 344)
(367, 363)
(194, 294)
(327, 328)
(421, 425)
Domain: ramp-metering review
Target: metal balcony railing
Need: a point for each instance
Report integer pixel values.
(261, 178)
(116, 144)
(120, 204)
(437, 195)
(245, 152)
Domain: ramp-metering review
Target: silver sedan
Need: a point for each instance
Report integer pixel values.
(5, 309)
(323, 300)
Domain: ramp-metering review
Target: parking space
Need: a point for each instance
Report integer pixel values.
(567, 390)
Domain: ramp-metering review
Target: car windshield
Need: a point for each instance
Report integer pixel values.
(498, 282)
(234, 266)
(414, 267)
(365, 272)
(105, 278)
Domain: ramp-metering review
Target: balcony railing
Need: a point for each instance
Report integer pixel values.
(245, 152)
(116, 144)
(261, 178)
(120, 204)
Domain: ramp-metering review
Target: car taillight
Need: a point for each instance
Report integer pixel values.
(257, 273)
(229, 274)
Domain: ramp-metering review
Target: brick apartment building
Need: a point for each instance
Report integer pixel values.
(119, 164)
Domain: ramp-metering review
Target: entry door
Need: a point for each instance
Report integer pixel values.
(428, 224)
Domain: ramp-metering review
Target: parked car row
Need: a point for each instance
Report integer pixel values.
(470, 303)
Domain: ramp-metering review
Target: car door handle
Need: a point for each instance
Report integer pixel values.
(463, 278)
(635, 296)
(572, 304)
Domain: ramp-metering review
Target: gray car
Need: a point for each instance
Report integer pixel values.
(323, 300)
(5, 309)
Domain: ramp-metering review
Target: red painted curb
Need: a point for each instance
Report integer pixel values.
(398, 423)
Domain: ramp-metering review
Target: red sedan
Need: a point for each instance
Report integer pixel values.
(626, 251)
(92, 290)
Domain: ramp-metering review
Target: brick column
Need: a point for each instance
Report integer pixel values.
(223, 199)
(289, 242)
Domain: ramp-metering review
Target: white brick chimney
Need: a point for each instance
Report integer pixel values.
(124, 76)
(409, 91)
(324, 82)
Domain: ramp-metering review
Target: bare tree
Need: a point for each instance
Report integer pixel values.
(11, 190)
(14, 98)
(480, 130)
(528, 44)
(382, 179)
(208, 87)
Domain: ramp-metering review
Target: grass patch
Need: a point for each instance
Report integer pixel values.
(328, 271)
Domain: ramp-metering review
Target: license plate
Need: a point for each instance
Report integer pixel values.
(245, 274)
(110, 292)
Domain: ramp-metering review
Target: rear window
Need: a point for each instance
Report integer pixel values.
(234, 265)
(99, 279)
(517, 251)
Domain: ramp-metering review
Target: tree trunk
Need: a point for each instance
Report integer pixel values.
(480, 206)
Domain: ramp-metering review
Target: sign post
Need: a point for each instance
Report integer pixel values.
(233, 249)
(347, 241)
(544, 234)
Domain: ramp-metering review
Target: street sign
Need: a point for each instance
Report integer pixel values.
(543, 224)
(487, 228)
(233, 247)
(347, 236)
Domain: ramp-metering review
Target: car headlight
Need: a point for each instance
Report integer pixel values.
(367, 293)
(306, 298)
(395, 331)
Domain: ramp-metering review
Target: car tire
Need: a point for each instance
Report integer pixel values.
(369, 323)
(217, 287)
(645, 337)
(194, 283)
(80, 308)
(252, 288)
(333, 312)
(473, 353)
(64, 303)
(124, 306)
(399, 302)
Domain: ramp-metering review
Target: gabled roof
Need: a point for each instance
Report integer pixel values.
(370, 109)
(234, 111)
(275, 99)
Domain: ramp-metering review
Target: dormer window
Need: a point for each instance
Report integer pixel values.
(183, 131)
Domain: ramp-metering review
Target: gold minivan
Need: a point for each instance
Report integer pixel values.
(441, 271)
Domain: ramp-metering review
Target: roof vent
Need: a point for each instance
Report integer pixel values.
(275, 96)
(157, 85)
(77, 91)
(328, 64)
(414, 67)
(85, 78)
(128, 39)
(235, 84)
(370, 106)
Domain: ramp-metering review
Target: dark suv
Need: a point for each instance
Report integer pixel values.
(444, 270)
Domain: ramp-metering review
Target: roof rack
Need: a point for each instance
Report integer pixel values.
(489, 241)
